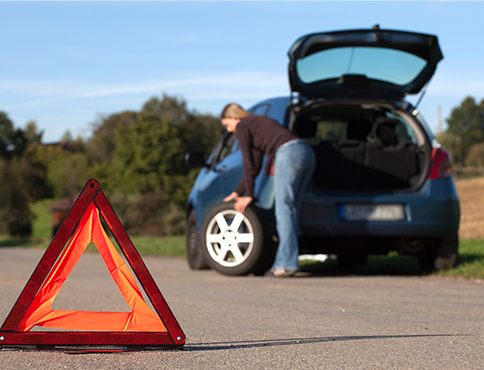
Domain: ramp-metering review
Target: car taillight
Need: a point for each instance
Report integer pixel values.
(441, 165)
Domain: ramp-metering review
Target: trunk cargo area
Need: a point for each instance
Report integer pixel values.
(364, 148)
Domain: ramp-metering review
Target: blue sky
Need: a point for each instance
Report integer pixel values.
(66, 64)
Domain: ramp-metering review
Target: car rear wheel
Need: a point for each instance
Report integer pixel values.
(236, 243)
(442, 256)
(195, 257)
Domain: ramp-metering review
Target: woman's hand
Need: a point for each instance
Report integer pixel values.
(232, 196)
(241, 203)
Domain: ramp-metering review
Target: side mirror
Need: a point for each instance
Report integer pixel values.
(196, 159)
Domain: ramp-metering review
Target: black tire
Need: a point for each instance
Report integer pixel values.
(440, 256)
(195, 256)
(238, 249)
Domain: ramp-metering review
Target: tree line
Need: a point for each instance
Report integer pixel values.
(464, 136)
(137, 157)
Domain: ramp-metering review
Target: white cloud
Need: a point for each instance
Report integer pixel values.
(58, 105)
(23, 93)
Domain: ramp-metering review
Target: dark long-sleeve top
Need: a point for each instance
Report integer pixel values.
(258, 135)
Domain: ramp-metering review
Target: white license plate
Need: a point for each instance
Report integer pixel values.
(372, 212)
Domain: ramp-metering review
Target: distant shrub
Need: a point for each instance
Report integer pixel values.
(475, 157)
(15, 215)
(148, 214)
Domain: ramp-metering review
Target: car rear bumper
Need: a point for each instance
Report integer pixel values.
(432, 211)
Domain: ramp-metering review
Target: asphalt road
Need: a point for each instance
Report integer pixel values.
(307, 322)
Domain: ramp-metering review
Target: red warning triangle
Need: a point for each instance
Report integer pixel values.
(139, 327)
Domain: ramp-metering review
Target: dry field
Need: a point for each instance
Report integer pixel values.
(471, 195)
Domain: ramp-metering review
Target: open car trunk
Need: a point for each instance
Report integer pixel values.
(364, 146)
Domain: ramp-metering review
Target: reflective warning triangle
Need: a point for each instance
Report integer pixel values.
(139, 327)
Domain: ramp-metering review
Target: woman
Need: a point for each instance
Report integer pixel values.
(294, 165)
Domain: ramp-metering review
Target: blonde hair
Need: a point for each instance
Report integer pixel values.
(233, 110)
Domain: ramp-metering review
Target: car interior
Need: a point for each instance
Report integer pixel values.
(359, 148)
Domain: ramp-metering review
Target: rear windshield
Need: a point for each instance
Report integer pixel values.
(388, 65)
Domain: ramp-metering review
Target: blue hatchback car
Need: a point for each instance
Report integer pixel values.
(382, 182)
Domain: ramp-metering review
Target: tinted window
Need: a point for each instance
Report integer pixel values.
(393, 66)
(260, 109)
(278, 111)
(227, 145)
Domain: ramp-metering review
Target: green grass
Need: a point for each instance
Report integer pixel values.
(168, 246)
(471, 260)
(173, 246)
(42, 225)
(469, 265)
(41, 228)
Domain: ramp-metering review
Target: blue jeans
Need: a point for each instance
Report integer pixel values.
(295, 162)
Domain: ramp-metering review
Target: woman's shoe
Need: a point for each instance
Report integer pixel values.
(280, 272)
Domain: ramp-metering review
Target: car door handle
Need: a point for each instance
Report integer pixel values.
(220, 169)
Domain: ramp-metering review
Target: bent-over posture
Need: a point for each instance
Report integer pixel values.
(294, 165)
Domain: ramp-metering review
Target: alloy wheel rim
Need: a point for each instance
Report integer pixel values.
(229, 238)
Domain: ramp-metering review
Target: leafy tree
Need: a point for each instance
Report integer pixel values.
(12, 141)
(467, 122)
(17, 178)
(31, 134)
(66, 137)
(101, 145)
(475, 157)
(30, 165)
(196, 131)
(138, 157)
(67, 172)
(453, 144)
(201, 132)
(148, 214)
(146, 156)
(40, 158)
(15, 215)
(149, 152)
(171, 107)
(34, 175)
(147, 176)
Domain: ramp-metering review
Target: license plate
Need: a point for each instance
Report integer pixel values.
(372, 212)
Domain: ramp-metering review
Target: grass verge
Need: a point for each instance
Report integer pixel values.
(170, 246)
(470, 264)
(173, 246)
(471, 260)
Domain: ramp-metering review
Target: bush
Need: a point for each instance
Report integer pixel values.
(68, 172)
(15, 215)
(475, 157)
(148, 214)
